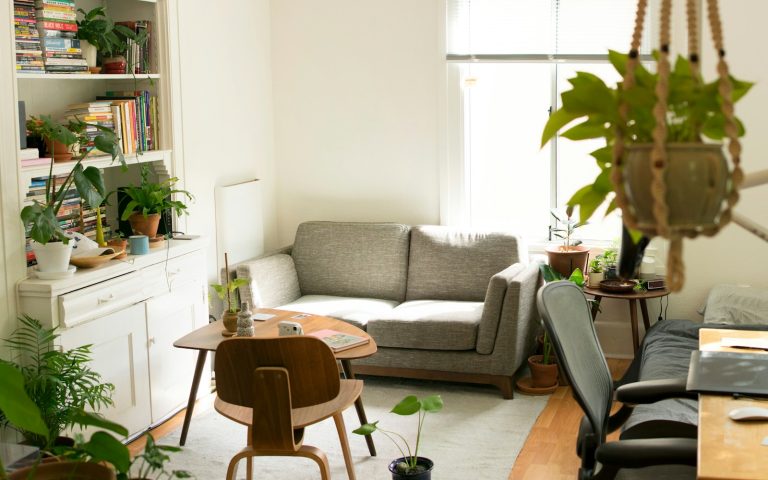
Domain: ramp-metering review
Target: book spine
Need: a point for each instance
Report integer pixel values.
(56, 25)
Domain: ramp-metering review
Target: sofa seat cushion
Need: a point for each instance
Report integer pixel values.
(429, 325)
(357, 311)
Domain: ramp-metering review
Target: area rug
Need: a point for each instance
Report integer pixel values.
(478, 434)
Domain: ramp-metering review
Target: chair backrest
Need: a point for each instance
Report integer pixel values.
(568, 321)
(309, 362)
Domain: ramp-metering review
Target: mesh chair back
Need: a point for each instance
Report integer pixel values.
(568, 321)
(311, 366)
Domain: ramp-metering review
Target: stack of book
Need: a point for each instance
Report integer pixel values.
(57, 27)
(30, 157)
(29, 54)
(139, 55)
(135, 119)
(98, 112)
(89, 219)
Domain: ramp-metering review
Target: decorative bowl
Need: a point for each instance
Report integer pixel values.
(618, 286)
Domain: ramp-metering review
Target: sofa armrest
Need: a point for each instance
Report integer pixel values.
(519, 320)
(273, 281)
(492, 306)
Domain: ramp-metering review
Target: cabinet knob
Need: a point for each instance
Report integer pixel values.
(151, 341)
(106, 299)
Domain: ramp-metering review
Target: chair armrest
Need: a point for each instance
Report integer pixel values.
(273, 281)
(650, 391)
(648, 452)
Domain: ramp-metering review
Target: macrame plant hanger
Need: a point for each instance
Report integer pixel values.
(659, 160)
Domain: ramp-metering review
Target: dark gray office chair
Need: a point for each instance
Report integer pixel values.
(568, 321)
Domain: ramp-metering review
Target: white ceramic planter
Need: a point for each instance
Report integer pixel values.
(53, 256)
(595, 279)
(89, 53)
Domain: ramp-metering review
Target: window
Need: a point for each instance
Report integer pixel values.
(508, 62)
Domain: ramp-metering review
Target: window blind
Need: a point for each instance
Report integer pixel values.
(504, 29)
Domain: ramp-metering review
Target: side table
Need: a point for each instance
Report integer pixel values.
(633, 298)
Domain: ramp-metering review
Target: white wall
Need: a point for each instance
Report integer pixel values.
(227, 109)
(356, 99)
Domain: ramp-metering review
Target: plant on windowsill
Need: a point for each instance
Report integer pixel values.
(410, 466)
(148, 200)
(50, 243)
(626, 116)
(571, 254)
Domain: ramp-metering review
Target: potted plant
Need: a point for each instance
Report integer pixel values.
(410, 466)
(99, 33)
(59, 382)
(625, 117)
(228, 294)
(148, 200)
(50, 243)
(119, 243)
(570, 255)
(595, 271)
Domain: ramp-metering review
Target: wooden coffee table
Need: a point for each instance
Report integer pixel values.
(207, 338)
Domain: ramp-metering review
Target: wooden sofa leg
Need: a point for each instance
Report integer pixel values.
(504, 384)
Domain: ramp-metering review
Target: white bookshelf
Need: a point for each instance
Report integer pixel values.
(86, 76)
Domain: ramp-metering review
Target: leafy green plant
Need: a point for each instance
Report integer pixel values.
(551, 275)
(40, 218)
(596, 265)
(59, 382)
(569, 226)
(226, 292)
(407, 406)
(151, 463)
(98, 29)
(694, 113)
(151, 197)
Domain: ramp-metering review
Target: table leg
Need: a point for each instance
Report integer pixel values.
(644, 310)
(347, 367)
(201, 356)
(596, 306)
(633, 319)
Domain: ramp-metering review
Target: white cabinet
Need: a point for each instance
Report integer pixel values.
(119, 355)
(131, 312)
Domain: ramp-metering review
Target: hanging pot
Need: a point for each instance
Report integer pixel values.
(64, 471)
(425, 474)
(52, 257)
(145, 225)
(566, 261)
(697, 180)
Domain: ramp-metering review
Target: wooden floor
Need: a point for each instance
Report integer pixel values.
(549, 453)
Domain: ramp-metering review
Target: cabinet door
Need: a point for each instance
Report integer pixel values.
(119, 343)
(170, 317)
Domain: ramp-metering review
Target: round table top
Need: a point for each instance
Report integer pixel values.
(209, 336)
(632, 295)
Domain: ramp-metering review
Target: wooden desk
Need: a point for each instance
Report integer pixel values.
(207, 338)
(632, 298)
(727, 449)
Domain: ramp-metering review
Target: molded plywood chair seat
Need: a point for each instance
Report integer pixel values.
(277, 387)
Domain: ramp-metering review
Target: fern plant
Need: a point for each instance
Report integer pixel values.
(150, 197)
(60, 383)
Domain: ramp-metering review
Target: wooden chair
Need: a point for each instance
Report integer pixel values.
(277, 387)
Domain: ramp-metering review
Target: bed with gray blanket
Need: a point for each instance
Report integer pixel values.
(665, 353)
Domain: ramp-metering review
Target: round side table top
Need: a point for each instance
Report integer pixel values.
(633, 295)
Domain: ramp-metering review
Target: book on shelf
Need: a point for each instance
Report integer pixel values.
(135, 117)
(57, 27)
(139, 58)
(29, 54)
(339, 341)
(29, 154)
(35, 162)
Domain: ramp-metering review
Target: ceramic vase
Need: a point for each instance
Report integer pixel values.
(244, 322)
(53, 256)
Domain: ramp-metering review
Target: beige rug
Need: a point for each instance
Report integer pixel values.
(477, 435)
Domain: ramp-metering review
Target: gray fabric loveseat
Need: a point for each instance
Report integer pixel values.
(440, 303)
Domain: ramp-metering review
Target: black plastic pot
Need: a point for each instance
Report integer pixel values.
(426, 474)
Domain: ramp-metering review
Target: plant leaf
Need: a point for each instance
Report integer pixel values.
(16, 405)
(432, 403)
(407, 406)
(104, 447)
(556, 121)
(366, 429)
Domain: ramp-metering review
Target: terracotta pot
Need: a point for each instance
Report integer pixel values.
(59, 151)
(542, 376)
(229, 320)
(421, 461)
(142, 225)
(696, 178)
(119, 244)
(65, 471)
(566, 261)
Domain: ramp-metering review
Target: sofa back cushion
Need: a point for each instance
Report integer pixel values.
(451, 264)
(349, 259)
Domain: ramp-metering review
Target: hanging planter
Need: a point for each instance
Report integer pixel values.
(656, 167)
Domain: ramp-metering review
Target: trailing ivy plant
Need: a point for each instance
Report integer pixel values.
(109, 38)
(59, 382)
(40, 218)
(694, 113)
